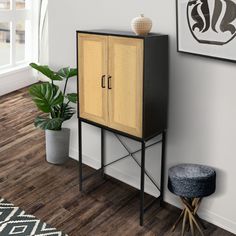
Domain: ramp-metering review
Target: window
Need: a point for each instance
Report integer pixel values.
(15, 33)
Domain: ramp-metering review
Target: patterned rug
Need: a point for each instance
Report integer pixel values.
(14, 221)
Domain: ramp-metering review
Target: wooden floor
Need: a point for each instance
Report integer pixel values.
(51, 192)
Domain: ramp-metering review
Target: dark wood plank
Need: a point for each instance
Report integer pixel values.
(51, 192)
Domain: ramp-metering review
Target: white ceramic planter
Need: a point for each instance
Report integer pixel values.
(57, 145)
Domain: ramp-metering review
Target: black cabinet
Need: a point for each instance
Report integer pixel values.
(123, 88)
(123, 81)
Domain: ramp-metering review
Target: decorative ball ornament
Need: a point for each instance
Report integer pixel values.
(141, 25)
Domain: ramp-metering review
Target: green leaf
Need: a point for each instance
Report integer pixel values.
(46, 96)
(67, 72)
(47, 123)
(45, 70)
(72, 97)
(73, 72)
(63, 111)
(64, 72)
(68, 112)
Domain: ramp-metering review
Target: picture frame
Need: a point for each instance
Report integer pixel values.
(207, 28)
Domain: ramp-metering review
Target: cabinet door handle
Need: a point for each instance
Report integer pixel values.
(103, 81)
(109, 82)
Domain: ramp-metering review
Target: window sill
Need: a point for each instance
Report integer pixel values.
(14, 70)
(12, 79)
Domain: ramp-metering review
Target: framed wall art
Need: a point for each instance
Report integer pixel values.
(207, 28)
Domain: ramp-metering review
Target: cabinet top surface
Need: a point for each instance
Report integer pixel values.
(118, 33)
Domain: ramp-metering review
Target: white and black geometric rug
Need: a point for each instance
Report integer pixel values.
(15, 222)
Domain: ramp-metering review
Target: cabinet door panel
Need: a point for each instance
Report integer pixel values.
(125, 95)
(92, 66)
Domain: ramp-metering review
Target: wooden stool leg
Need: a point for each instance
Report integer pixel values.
(187, 204)
(191, 203)
(197, 225)
(190, 216)
(196, 206)
(198, 219)
(177, 221)
(191, 226)
(184, 222)
(191, 208)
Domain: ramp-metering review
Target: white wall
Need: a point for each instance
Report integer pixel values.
(202, 107)
(14, 80)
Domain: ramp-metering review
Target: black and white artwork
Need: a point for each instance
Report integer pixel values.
(207, 27)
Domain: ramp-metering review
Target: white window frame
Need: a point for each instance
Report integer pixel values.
(17, 75)
(13, 16)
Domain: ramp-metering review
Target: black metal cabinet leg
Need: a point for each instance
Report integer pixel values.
(80, 156)
(102, 151)
(163, 153)
(142, 183)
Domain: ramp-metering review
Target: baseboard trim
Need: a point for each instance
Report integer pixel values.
(220, 221)
(16, 80)
(207, 215)
(116, 173)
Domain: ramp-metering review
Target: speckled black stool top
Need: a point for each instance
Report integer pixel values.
(192, 180)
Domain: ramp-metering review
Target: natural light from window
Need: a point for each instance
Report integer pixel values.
(15, 33)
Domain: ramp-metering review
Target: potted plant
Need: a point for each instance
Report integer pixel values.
(56, 105)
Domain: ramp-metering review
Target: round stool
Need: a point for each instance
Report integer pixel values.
(191, 183)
